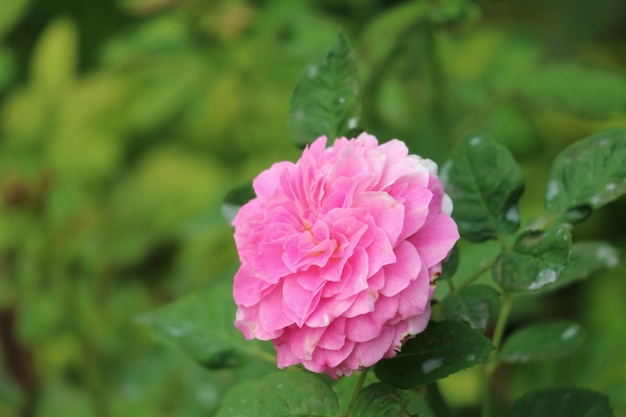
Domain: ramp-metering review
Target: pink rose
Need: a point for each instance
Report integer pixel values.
(339, 253)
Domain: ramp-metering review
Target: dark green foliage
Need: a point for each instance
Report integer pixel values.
(485, 183)
(591, 172)
(442, 349)
(587, 259)
(562, 402)
(537, 259)
(285, 394)
(380, 400)
(451, 264)
(202, 325)
(236, 198)
(476, 305)
(326, 99)
(542, 342)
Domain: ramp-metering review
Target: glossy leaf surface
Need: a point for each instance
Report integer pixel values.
(442, 349)
(485, 183)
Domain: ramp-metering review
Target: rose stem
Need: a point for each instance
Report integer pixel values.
(436, 400)
(490, 365)
(358, 387)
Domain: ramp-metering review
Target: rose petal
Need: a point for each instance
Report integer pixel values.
(416, 201)
(415, 298)
(388, 214)
(284, 355)
(406, 329)
(364, 303)
(272, 319)
(298, 302)
(265, 183)
(247, 288)
(327, 311)
(435, 240)
(304, 341)
(334, 338)
(366, 354)
(348, 163)
(363, 328)
(380, 252)
(338, 252)
(399, 274)
(333, 358)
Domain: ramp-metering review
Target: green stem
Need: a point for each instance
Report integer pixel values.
(476, 274)
(358, 387)
(263, 355)
(544, 222)
(436, 401)
(491, 364)
(507, 304)
(451, 285)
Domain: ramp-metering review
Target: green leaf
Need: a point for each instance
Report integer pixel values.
(562, 402)
(285, 394)
(453, 13)
(542, 342)
(587, 258)
(326, 99)
(577, 215)
(617, 396)
(10, 13)
(202, 325)
(236, 198)
(598, 93)
(591, 172)
(418, 405)
(442, 349)
(380, 399)
(485, 183)
(477, 305)
(451, 265)
(537, 259)
(7, 68)
(56, 54)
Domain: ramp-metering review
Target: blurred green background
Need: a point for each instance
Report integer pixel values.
(123, 123)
